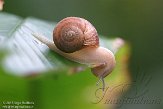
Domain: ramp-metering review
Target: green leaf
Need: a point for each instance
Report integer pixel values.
(24, 55)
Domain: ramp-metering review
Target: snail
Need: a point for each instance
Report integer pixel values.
(77, 39)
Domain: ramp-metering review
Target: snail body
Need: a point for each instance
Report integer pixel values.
(77, 39)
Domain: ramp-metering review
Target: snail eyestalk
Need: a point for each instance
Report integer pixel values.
(101, 79)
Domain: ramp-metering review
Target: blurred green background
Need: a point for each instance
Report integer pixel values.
(140, 22)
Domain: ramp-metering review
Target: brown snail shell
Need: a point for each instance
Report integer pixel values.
(73, 33)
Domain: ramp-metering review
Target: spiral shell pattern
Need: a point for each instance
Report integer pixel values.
(73, 33)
